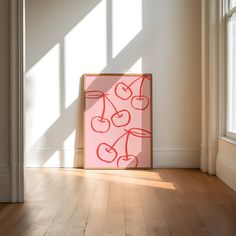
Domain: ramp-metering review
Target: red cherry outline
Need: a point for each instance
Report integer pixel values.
(117, 113)
(108, 150)
(101, 119)
(140, 98)
(127, 87)
(126, 158)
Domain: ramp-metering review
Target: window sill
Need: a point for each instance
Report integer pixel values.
(227, 139)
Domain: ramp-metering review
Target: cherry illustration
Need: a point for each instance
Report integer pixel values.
(123, 91)
(106, 153)
(100, 124)
(140, 102)
(121, 118)
(127, 161)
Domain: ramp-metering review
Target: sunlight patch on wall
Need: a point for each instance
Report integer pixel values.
(53, 161)
(126, 22)
(60, 158)
(85, 50)
(42, 97)
(137, 67)
(69, 142)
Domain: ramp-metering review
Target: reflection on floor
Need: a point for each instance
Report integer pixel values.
(112, 202)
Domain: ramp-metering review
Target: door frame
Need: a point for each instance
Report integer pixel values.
(17, 72)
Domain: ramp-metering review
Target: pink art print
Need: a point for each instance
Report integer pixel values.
(118, 121)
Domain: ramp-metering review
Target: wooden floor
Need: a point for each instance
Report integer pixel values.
(161, 202)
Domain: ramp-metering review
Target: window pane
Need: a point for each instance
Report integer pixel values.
(232, 3)
(232, 75)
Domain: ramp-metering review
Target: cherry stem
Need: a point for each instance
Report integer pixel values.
(140, 88)
(126, 146)
(112, 104)
(104, 107)
(134, 82)
(118, 140)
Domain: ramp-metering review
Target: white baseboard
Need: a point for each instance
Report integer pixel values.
(226, 171)
(204, 158)
(176, 158)
(4, 170)
(162, 158)
(4, 183)
(54, 158)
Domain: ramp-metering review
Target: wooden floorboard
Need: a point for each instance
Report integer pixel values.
(165, 202)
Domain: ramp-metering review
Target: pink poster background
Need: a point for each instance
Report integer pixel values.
(118, 121)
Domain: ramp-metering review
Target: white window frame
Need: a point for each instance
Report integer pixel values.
(228, 15)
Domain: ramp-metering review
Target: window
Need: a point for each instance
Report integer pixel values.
(231, 71)
(232, 3)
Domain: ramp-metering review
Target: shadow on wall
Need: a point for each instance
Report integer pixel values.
(65, 39)
(47, 68)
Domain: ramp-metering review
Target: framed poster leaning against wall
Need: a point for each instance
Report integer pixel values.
(118, 121)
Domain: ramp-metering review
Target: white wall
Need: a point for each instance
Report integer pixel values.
(226, 162)
(65, 39)
(4, 101)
